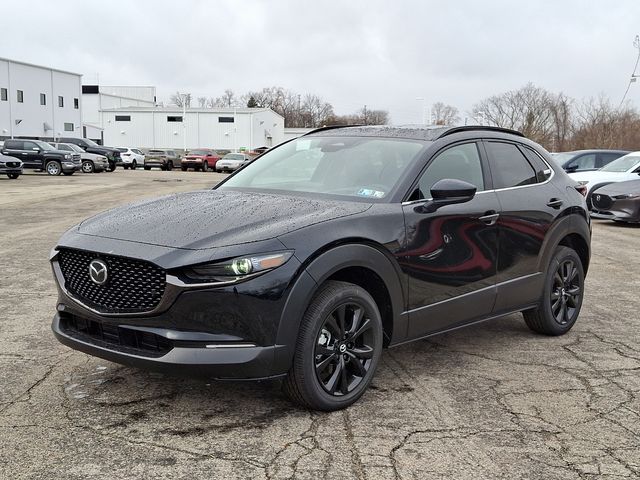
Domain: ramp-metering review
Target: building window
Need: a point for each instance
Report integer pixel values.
(43, 99)
(174, 119)
(123, 118)
(20, 96)
(76, 103)
(225, 119)
(3, 94)
(61, 101)
(69, 127)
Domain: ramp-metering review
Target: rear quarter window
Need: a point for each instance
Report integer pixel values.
(509, 167)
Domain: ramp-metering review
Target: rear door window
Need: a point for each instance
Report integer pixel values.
(13, 145)
(509, 167)
(543, 171)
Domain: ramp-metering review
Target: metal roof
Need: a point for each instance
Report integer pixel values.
(416, 132)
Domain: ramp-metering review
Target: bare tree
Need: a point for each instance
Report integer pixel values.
(202, 102)
(444, 114)
(181, 99)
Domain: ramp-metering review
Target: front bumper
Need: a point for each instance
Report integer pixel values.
(10, 170)
(224, 332)
(211, 360)
(227, 167)
(70, 166)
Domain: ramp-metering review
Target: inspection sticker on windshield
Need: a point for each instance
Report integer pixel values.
(365, 192)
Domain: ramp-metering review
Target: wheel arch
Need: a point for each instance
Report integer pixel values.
(361, 264)
(572, 231)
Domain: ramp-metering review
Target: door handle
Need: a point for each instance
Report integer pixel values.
(554, 203)
(490, 218)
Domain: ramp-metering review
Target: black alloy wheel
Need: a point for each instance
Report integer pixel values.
(562, 298)
(344, 348)
(338, 348)
(566, 292)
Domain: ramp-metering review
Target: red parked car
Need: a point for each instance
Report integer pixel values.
(202, 159)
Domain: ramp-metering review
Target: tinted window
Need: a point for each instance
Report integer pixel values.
(76, 103)
(61, 101)
(123, 118)
(20, 96)
(63, 147)
(583, 162)
(543, 171)
(135, 150)
(509, 167)
(225, 120)
(174, 119)
(43, 99)
(461, 162)
(606, 158)
(3, 94)
(13, 144)
(68, 127)
(30, 146)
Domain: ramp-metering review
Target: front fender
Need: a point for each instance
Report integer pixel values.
(319, 270)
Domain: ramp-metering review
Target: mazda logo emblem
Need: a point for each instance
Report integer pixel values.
(98, 272)
(597, 198)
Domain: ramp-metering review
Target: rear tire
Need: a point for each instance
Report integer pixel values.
(169, 166)
(184, 169)
(68, 174)
(562, 297)
(147, 168)
(53, 168)
(134, 165)
(338, 348)
(205, 167)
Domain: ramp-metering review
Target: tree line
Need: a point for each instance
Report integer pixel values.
(299, 110)
(561, 123)
(554, 120)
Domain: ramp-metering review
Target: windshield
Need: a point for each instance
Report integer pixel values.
(234, 156)
(622, 164)
(361, 167)
(198, 152)
(90, 143)
(73, 147)
(121, 149)
(43, 145)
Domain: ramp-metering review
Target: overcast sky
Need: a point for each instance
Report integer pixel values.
(384, 54)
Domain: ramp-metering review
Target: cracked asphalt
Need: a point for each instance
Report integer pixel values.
(488, 401)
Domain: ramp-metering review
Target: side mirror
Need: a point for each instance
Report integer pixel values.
(571, 168)
(35, 149)
(448, 191)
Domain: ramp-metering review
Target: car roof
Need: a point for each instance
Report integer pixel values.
(595, 150)
(414, 132)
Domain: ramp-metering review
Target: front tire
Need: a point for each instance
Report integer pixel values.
(134, 165)
(169, 166)
(13, 176)
(338, 349)
(53, 168)
(88, 167)
(562, 297)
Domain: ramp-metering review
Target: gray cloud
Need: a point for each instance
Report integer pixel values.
(352, 53)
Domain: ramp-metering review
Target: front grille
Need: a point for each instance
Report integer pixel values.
(114, 337)
(132, 286)
(12, 164)
(601, 202)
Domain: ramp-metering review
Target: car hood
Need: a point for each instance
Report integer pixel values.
(598, 176)
(214, 218)
(621, 188)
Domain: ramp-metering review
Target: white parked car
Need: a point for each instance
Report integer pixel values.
(131, 157)
(232, 161)
(91, 162)
(620, 170)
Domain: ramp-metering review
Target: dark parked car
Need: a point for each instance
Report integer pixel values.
(42, 156)
(586, 160)
(325, 250)
(201, 159)
(10, 166)
(617, 201)
(112, 154)
(162, 159)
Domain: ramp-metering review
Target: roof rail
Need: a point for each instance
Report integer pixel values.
(331, 127)
(470, 128)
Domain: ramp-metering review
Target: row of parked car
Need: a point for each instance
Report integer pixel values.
(611, 179)
(69, 155)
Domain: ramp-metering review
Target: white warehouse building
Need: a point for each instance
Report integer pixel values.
(39, 102)
(95, 98)
(170, 127)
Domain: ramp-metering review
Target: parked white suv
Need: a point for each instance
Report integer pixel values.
(131, 157)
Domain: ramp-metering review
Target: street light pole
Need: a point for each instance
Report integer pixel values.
(424, 109)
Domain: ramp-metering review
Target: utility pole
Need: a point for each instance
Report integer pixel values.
(365, 115)
(634, 76)
(184, 123)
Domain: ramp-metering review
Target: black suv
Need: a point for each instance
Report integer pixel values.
(305, 263)
(42, 156)
(112, 154)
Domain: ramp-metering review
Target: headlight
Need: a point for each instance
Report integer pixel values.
(626, 195)
(237, 269)
(67, 156)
